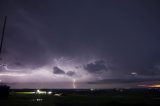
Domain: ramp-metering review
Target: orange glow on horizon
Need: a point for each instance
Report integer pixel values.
(150, 86)
(154, 86)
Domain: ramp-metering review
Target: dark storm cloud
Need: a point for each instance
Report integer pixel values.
(152, 71)
(57, 70)
(18, 63)
(70, 73)
(127, 32)
(22, 37)
(126, 80)
(96, 67)
(2, 69)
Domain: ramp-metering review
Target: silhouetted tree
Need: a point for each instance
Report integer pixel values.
(4, 91)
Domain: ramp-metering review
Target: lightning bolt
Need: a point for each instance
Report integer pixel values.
(74, 83)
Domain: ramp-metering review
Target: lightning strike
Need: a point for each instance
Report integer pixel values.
(74, 83)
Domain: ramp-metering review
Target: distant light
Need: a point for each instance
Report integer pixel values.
(40, 92)
(0, 80)
(49, 92)
(92, 89)
(134, 73)
(58, 94)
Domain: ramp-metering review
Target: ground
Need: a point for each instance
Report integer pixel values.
(28, 99)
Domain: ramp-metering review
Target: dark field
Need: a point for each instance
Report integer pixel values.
(87, 98)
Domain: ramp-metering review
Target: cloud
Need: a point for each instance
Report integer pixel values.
(96, 67)
(57, 70)
(153, 71)
(18, 64)
(70, 73)
(35, 41)
(125, 80)
(2, 67)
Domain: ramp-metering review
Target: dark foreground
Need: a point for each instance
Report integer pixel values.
(103, 98)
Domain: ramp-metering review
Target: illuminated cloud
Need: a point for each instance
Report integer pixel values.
(13, 74)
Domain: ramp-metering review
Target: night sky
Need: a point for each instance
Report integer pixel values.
(80, 43)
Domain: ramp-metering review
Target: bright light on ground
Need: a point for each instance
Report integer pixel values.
(24, 93)
(92, 89)
(40, 92)
(49, 92)
(58, 94)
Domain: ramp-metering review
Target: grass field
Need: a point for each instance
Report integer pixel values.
(28, 99)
